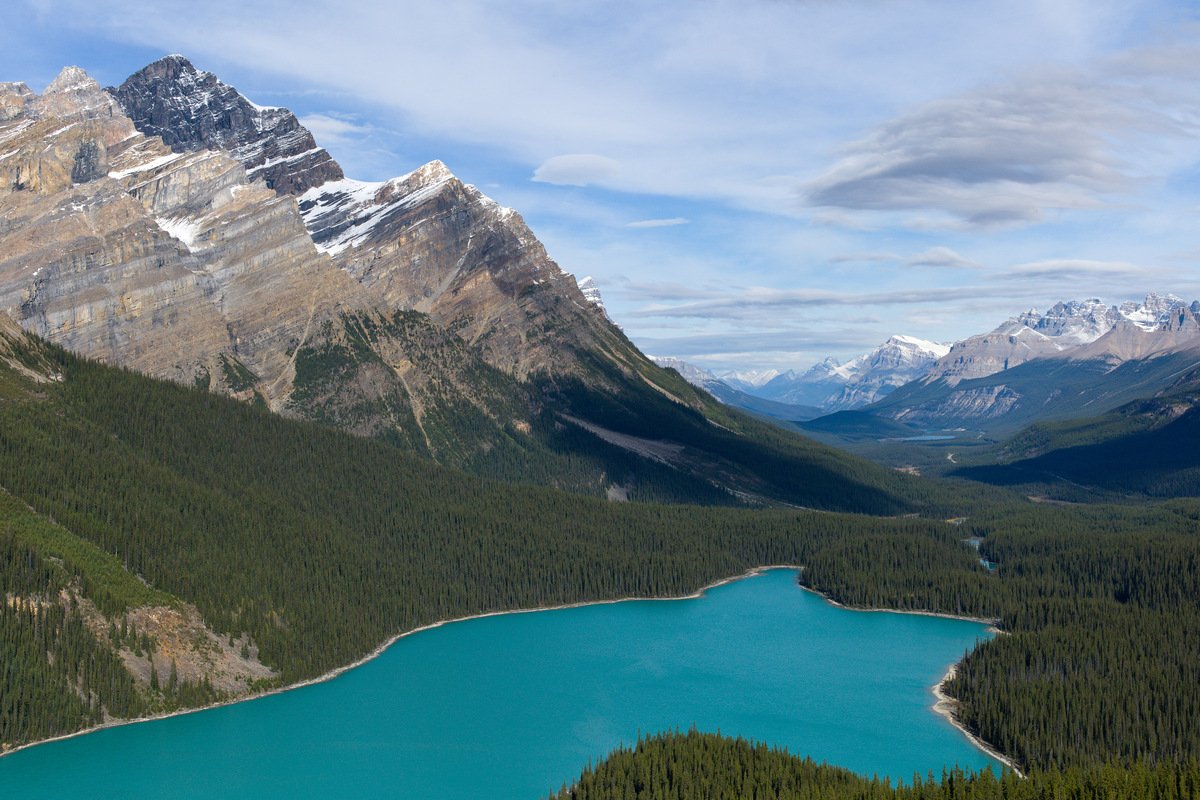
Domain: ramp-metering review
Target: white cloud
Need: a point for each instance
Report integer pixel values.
(658, 223)
(941, 257)
(1078, 268)
(1005, 154)
(331, 130)
(578, 169)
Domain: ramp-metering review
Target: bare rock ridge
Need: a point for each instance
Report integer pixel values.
(1078, 329)
(170, 263)
(424, 241)
(193, 110)
(1078, 356)
(168, 242)
(428, 242)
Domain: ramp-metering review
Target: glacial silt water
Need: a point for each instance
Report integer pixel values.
(513, 706)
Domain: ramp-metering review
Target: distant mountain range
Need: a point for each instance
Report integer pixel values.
(1078, 357)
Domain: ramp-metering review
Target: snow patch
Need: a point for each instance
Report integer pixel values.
(282, 160)
(149, 165)
(182, 228)
(357, 202)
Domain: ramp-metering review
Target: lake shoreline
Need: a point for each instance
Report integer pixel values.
(943, 706)
(379, 650)
(946, 707)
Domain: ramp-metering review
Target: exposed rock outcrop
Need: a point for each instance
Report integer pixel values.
(411, 309)
(193, 110)
(428, 242)
(169, 263)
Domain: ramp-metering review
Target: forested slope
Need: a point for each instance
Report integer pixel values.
(697, 766)
(309, 547)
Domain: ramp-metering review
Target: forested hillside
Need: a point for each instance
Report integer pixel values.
(305, 547)
(1142, 450)
(310, 546)
(695, 765)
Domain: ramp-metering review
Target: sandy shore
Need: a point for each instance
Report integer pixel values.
(945, 704)
(333, 673)
(991, 623)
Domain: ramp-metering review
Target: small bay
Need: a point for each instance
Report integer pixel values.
(514, 705)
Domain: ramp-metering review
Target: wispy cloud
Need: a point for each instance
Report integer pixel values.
(333, 130)
(658, 223)
(1071, 269)
(942, 257)
(577, 169)
(1006, 154)
(751, 302)
(933, 257)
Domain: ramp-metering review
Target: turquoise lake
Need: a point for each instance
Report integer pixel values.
(513, 706)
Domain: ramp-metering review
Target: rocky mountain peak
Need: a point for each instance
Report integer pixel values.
(1155, 311)
(75, 95)
(72, 79)
(192, 109)
(697, 376)
(1074, 321)
(591, 292)
(14, 97)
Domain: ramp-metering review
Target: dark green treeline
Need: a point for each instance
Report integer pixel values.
(320, 545)
(697, 766)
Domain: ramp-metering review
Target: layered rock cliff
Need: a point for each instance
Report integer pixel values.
(170, 263)
(235, 256)
(193, 110)
(412, 309)
(430, 243)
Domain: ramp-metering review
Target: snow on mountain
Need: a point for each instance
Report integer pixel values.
(192, 109)
(1072, 322)
(748, 378)
(833, 386)
(344, 213)
(591, 292)
(1153, 312)
(1070, 329)
(696, 376)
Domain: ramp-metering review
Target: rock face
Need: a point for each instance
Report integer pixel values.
(170, 263)
(1078, 329)
(428, 242)
(1079, 356)
(416, 310)
(193, 110)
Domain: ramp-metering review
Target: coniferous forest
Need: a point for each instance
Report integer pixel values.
(312, 547)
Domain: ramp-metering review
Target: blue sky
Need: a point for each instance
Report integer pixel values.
(752, 184)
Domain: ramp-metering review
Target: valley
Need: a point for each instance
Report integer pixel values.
(258, 418)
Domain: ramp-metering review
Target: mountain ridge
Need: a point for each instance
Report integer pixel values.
(416, 310)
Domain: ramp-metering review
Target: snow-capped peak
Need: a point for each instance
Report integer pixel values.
(749, 377)
(1070, 322)
(1152, 312)
(921, 345)
(694, 375)
(591, 292)
(72, 79)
